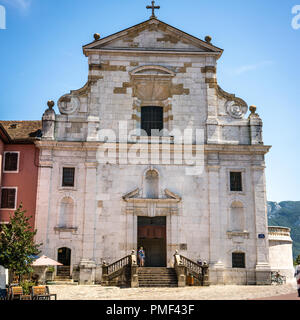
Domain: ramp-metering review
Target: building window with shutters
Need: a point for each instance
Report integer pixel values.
(8, 198)
(236, 181)
(68, 177)
(238, 260)
(152, 120)
(11, 162)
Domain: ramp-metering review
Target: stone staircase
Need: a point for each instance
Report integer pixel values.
(63, 276)
(157, 277)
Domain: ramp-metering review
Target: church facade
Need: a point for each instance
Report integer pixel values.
(152, 152)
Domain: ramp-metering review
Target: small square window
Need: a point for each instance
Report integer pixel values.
(238, 260)
(236, 181)
(11, 161)
(68, 177)
(8, 198)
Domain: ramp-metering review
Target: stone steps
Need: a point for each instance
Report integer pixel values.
(63, 277)
(157, 277)
(62, 282)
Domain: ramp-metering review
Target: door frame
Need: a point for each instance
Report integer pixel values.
(138, 241)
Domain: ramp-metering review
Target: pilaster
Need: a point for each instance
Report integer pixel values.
(89, 227)
(215, 233)
(263, 275)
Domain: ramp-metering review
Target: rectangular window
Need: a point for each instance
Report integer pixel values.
(238, 260)
(68, 177)
(236, 181)
(8, 198)
(152, 119)
(11, 160)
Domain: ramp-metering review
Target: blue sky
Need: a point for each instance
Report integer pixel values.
(41, 58)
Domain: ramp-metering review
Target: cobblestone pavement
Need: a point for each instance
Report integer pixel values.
(228, 292)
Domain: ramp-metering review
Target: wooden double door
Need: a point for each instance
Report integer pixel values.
(152, 237)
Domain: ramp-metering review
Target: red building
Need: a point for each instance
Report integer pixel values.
(18, 167)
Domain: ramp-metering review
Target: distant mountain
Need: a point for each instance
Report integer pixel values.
(287, 214)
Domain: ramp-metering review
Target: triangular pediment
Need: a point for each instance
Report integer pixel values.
(153, 35)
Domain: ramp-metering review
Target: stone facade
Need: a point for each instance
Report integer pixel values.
(280, 249)
(154, 64)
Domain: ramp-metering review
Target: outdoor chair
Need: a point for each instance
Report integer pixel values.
(16, 293)
(41, 293)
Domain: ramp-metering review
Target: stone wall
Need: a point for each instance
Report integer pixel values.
(281, 253)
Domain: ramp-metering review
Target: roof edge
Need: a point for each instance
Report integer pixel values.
(121, 33)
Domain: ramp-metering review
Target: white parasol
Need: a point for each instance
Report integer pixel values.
(45, 261)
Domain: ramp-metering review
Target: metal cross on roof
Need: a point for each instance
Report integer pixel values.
(153, 7)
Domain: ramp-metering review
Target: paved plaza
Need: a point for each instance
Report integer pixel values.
(228, 292)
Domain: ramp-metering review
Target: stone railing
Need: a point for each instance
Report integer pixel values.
(185, 266)
(279, 231)
(116, 266)
(117, 270)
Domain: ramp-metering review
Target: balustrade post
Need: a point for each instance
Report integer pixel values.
(180, 270)
(105, 274)
(205, 275)
(134, 270)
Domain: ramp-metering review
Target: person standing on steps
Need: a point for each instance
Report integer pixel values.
(142, 256)
(297, 276)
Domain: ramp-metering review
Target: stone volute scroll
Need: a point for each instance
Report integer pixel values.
(68, 104)
(172, 195)
(235, 107)
(236, 110)
(131, 194)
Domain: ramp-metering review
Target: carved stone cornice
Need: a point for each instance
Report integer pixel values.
(242, 234)
(46, 163)
(208, 148)
(91, 165)
(147, 200)
(65, 229)
(244, 149)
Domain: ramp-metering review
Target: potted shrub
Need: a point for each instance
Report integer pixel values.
(50, 273)
(27, 285)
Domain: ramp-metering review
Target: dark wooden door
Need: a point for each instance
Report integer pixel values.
(152, 237)
(64, 257)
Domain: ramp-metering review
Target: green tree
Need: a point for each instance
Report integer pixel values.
(17, 245)
(298, 260)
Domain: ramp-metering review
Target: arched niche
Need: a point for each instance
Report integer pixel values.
(151, 184)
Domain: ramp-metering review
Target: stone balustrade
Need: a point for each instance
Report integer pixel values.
(280, 234)
(279, 231)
